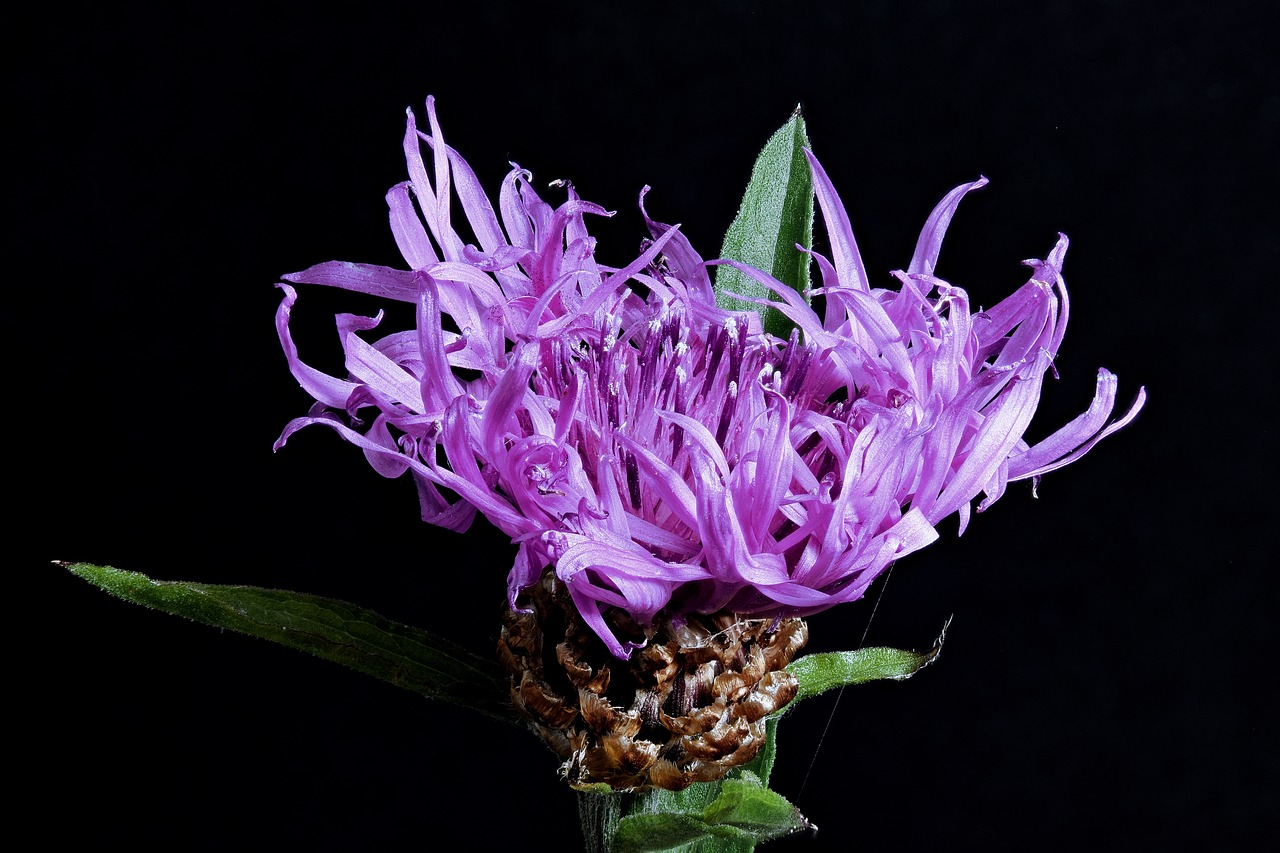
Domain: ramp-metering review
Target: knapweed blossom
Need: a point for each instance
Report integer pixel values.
(625, 431)
(663, 456)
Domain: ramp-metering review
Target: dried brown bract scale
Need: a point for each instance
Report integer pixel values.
(686, 708)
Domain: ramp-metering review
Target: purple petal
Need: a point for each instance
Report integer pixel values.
(929, 245)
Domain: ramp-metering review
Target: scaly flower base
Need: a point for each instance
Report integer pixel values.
(686, 708)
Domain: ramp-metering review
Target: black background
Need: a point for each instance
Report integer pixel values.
(1106, 683)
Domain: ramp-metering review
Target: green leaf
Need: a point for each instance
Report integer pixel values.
(776, 214)
(658, 833)
(334, 630)
(747, 805)
(762, 764)
(821, 672)
(742, 814)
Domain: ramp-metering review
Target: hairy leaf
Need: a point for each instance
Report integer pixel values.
(334, 630)
(776, 214)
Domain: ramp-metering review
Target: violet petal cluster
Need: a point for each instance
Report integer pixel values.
(656, 450)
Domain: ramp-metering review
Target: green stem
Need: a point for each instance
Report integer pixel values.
(599, 815)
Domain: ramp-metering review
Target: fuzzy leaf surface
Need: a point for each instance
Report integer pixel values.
(821, 672)
(742, 814)
(334, 630)
(776, 213)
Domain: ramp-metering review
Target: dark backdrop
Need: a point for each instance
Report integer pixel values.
(1105, 684)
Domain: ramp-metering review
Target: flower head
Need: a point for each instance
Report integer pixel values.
(661, 454)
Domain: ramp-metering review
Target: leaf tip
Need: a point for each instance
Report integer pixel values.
(79, 569)
(931, 655)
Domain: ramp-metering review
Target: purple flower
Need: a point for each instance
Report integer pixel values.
(660, 452)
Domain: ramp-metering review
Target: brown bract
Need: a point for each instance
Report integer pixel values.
(686, 708)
